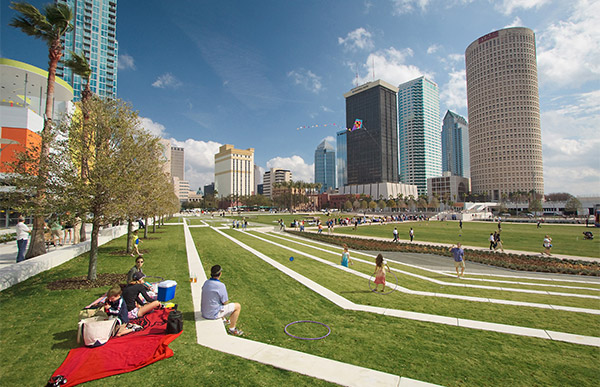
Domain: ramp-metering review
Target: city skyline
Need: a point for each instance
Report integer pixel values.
(231, 79)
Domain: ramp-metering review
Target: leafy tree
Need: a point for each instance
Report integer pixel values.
(535, 206)
(347, 205)
(372, 205)
(573, 205)
(49, 27)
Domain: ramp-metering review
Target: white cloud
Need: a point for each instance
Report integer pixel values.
(199, 161)
(508, 6)
(296, 164)
(153, 127)
(306, 78)
(515, 23)
(359, 39)
(570, 142)
(454, 93)
(408, 6)
(126, 62)
(329, 139)
(326, 109)
(390, 66)
(569, 51)
(167, 80)
(433, 48)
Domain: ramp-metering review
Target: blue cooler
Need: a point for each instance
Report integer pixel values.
(166, 290)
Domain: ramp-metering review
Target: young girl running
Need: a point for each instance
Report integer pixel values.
(380, 270)
(346, 257)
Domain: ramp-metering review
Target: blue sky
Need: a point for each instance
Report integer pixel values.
(249, 73)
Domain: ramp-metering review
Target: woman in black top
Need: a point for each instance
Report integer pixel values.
(131, 297)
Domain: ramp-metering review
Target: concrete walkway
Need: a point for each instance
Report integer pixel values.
(482, 325)
(425, 243)
(212, 334)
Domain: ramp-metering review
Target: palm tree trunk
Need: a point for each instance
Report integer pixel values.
(38, 245)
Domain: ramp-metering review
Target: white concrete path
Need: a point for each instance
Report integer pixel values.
(444, 295)
(470, 277)
(212, 334)
(482, 325)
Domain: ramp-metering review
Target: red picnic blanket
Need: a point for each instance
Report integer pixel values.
(121, 354)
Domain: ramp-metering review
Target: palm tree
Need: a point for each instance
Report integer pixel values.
(80, 66)
(49, 27)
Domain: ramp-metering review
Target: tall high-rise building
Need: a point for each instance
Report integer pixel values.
(373, 149)
(272, 176)
(341, 159)
(234, 171)
(455, 145)
(420, 148)
(94, 35)
(177, 162)
(325, 166)
(505, 138)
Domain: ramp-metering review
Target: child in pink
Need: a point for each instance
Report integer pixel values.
(380, 270)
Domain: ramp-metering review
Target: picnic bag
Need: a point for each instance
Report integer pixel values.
(96, 331)
(174, 321)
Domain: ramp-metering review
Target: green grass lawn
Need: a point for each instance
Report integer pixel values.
(579, 323)
(566, 239)
(39, 326)
(430, 352)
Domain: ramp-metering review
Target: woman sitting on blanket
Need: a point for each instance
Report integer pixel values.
(132, 299)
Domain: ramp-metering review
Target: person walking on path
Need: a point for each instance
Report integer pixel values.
(498, 242)
(547, 245)
(215, 303)
(492, 240)
(459, 259)
(23, 232)
(76, 229)
(395, 235)
(346, 257)
(55, 229)
(380, 270)
(411, 233)
(460, 224)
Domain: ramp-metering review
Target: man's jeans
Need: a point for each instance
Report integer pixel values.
(22, 247)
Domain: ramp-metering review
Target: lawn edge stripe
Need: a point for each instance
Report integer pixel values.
(471, 279)
(445, 295)
(592, 341)
(212, 334)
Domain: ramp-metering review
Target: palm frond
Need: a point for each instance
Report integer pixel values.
(79, 64)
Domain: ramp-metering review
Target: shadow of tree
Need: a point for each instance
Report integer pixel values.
(65, 340)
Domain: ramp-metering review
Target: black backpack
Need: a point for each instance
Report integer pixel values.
(174, 321)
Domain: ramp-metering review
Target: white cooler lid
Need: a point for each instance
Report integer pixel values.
(167, 284)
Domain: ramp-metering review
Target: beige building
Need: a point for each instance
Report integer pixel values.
(272, 176)
(505, 140)
(234, 171)
(448, 186)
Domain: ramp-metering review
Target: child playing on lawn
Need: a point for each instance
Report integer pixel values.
(380, 270)
(346, 257)
(136, 242)
(115, 306)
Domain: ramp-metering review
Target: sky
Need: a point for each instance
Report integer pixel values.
(250, 73)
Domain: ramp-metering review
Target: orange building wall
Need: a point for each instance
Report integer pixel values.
(27, 140)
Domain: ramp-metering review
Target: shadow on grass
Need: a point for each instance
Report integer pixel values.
(188, 316)
(355, 291)
(65, 340)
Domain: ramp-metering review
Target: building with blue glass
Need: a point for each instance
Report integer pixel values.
(419, 140)
(341, 159)
(455, 145)
(325, 166)
(94, 35)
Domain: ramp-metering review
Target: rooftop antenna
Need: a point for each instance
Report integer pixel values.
(373, 68)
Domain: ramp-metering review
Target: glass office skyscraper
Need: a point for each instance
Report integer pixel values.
(455, 145)
(341, 159)
(420, 149)
(325, 166)
(373, 149)
(94, 35)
